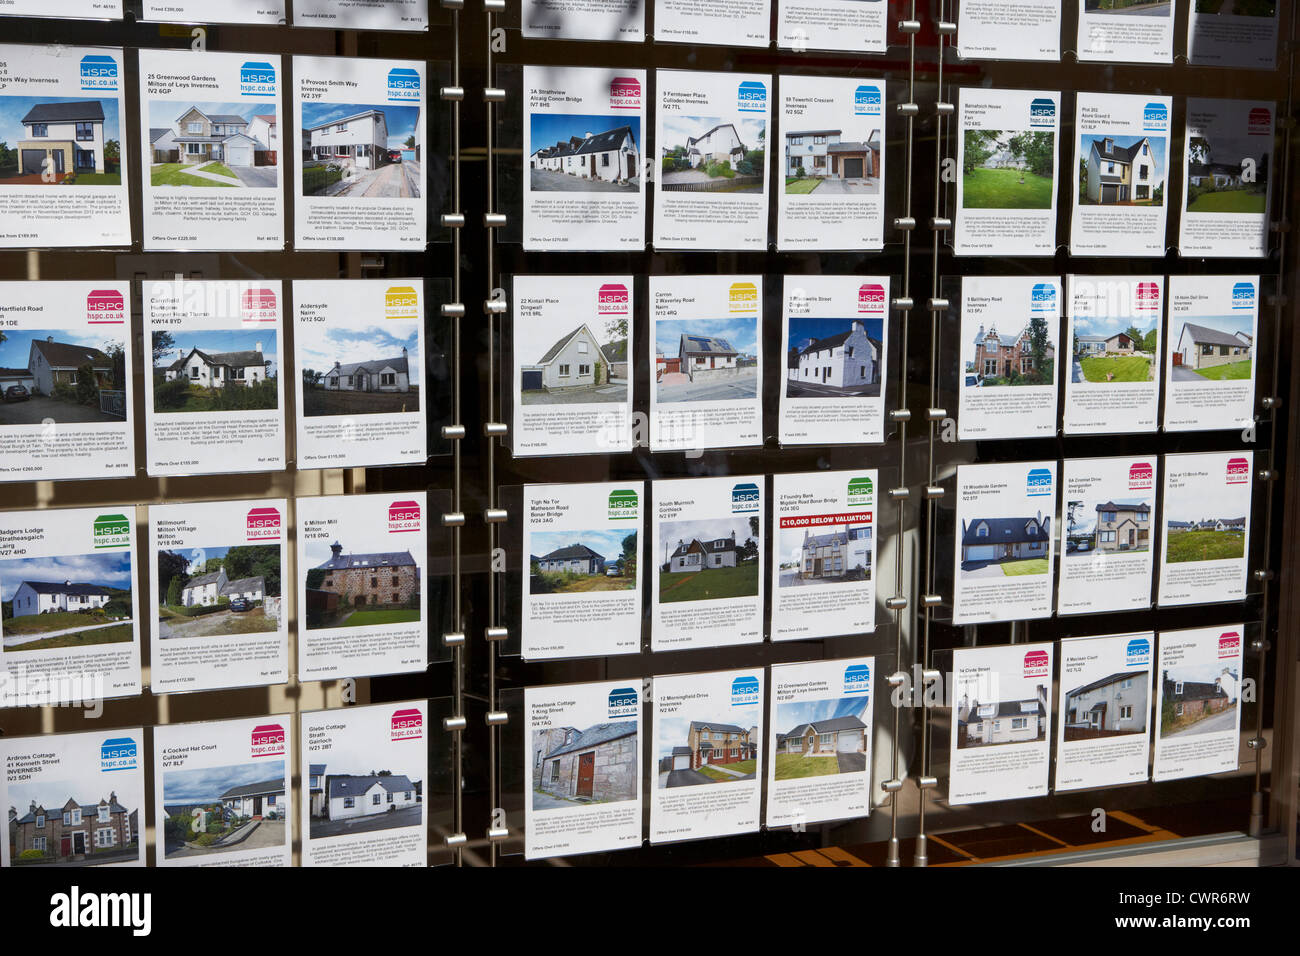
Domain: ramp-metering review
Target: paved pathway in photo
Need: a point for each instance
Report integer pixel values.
(988, 571)
(851, 762)
(847, 187)
(686, 778)
(266, 834)
(723, 769)
(1181, 373)
(215, 177)
(549, 181)
(386, 182)
(257, 177)
(1076, 371)
(544, 801)
(1224, 720)
(15, 640)
(39, 408)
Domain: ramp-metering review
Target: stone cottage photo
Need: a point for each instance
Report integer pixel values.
(204, 592)
(350, 585)
(574, 766)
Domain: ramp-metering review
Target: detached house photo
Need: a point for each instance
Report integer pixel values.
(1110, 526)
(213, 591)
(1114, 354)
(363, 802)
(568, 562)
(584, 153)
(356, 589)
(574, 369)
(348, 150)
(830, 555)
(1014, 721)
(696, 752)
(704, 560)
(212, 145)
(384, 379)
(1227, 174)
(1122, 170)
(1215, 349)
(1198, 700)
(208, 811)
(1109, 707)
(595, 765)
(62, 375)
(997, 547)
(72, 601)
(831, 162)
(53, 142)
(712, 361)
(712, 154)
(834, 358)
(1008, 360)
(59, 825)
(218, 371)
(820, 737)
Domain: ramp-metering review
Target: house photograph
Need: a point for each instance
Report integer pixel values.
(833, 162)
(569, 562)
(350, 370)
(1213, 348)
(63, 376)
(53, 141)
(1198, 536)
(208, 811)
(579, 767)
(697, 749)
(357, 588)
(1107, 526)
(1198, 700)
(1016, 720)
(75, 600)
(708, 560)
(358, 793)
(834, 358)
(1007, 169)
(1107, 349)
(1121, 170)
(208, 145)
(713, 154)
(578, 367)
(1007, 546)
(348, 149)
(73, 822)
(228, 370)
(584, 153)
(717, 359)
(832, 554)
(206, 592)
(819, 737)
(1019, 353)
(1111, 706)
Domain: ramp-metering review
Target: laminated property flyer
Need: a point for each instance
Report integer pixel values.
(582, 592)
(1007, 167)
(214, 11)
(707, 547)
(1210, 364)
(1122, 156)
(222, 794)
(1002, 706)
(1002, 562)
(211, 150)
(1113, 328)
(361, 585)
(584, 172)
(1009, 30)
(707, 751)
(359, 178)
(216, 596)
(1206, 525)
(1241, 33)
(66, 346)
(833, 163)
(362, 14)
(572, 389)
(583, 19)
(78, 9)
(359, 351)
(836, 340)
(71, 618)
(848, 25)
(1198, 703)
(365, 773)
(711, 148)
(706, 362)
(1127, 31)
(1103, 727)
(824, 554)
(1227, 160)
(78, 799)
(819, 742)
(736, 23)
(63, 115)
(583, 743)
(1107, 534)
(1009, 365)
(216, 401)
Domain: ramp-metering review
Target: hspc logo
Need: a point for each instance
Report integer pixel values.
(624, 505)
(1037, 664)
(867, 101)
(1229, 644)
(857, 679)
(1042, 298)
(118, 753)
(623, 702)
(745, 498)
(404, 516)
(751, 97)
(1155, 118)
(744, 691)
(1146, 297)
(1238, 471)
(871, 299)
(612, 299)
(743, 297)
(861, 492)
(111, 531)
(258, 305)
(403, 85)
(105, 307)
(98, 72)
(1137, 652)
(1038, 482)
(1141, 476)
(401, 302)
(257, 78)
(267, 741)
(1259, 122)
(263, 524)
(407, 724)
(1042, 113)
(1243, 295)
(625, 93)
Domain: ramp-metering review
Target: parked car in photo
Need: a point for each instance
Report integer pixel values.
(17, 393)
(240, 604)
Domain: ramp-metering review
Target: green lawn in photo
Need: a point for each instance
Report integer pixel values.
(799, 187)
(1124, 368)
(220, 169)
(709, 584)
(375, 618)
(1232, 370)
(98, 179)
(1002, 189)
(170, 174)
(1206, 545)
(117, 634)
(1229, 200)
(551, 582)
(1015, 569)
(792, 766)
(58, 621)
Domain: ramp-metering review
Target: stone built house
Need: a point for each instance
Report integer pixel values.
(597, 764)
(74, 830)
(1200, 698)
(387, 577)
(1122, 526)
(208, 589)
(999, 355)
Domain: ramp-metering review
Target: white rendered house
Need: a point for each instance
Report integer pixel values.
(216, 369)
(1120, 173)
(42, 597)
(359, 140)
(848, 360)
(355, 796)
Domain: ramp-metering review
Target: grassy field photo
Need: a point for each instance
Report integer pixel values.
(1204, 545)
(174, 174)
(1229, 372)
(1230, 201)
(740, 769)
(317, 401)
(75, 600)
(794, 766)
(709, 584)
(1118, 368)
(1008, 170)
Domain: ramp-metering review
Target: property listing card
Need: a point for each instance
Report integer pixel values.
(582, 592)
(836, 341)
(833, 163)
(583, 19)
(707, 545)
(214, 11)
(1007, 156)
(359, 179)
(216, 401)
(210, 150)
(362, 14)
(78, 799)
(1103, 727)
(584, 172)
(1003, 555)
(359, 349)
(79, 9)
(584, 744)
(1113, 327)
(1009, 330)
(707, 731)
(711, 132)
(1002, 705)
(847, 25)
(1210, 364)
(1206, 527)
(71, 614)
(215, 595)
(1121, 152)
(572, 391)
(364, 775)
(706, 361)
(824, 555)
(1199, 702)
(1107, 535)
(65, 375)
(360, 585)
(819, 742)
(738, 23)
(222, 793)
(63, 117)
(1227, 158)
(1240, 34)
(1001, 30)
(1119, 32)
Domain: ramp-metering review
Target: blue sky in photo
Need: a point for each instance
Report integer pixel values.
(802, 331)
(401, 120)
(1231, 324)
(609, 543)
(207, 784)
(167, 112)
(223, 340)
(53, 794)
(107, 570)
(676, 129)
(673, 730)
(320, 346)
(14, 108)
(1109, 325)
(547, 129)
(17, 345)
(741, 332)
(1157, 149)
(790, 716)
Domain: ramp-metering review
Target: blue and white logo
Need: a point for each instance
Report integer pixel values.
(751, 97)
(744, 691)
(257, 78)
(857, 679)
(1243, 295)
(1155, 117)
(98, 72)
(622, 702)
(118, 753)
(1042, 112)
(1138, 652)
(867, 101)
(403, 85)
(1039, 482)
(1043, 298)
(745, 498)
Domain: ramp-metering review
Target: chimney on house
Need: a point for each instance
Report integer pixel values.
(258, 348)
(336, 549)
(67, 584)
(858, 326)
(49, 338)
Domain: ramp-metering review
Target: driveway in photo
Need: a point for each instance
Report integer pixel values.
(549, 181)
(257, 177)
(38, 408)
(389, 819)
(686, 778)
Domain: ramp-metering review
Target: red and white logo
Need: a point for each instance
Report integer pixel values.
(625, 93)
(105, 307)
(612, 299)
(1229, 644)
(1238, 471)
(268, 740)
(1147, 297)
(408, 724)
(871, 299)
(263, 524)
(404, 516)
(1037, 664)
(258, 305)
(1141, 476)
(1259, 122)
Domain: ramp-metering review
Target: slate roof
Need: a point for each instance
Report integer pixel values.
(348, 785)
(254, 583)
(558, 347)
(315, 769)
(825, 540)
(252, 789)
(595, 735)
(345, 119)
(572, 551)
(712, 546)
(1204, 336)
(65, 355)
(1113, 678)
(829, 726)
(813, 132)
(228, 119)
(211, 577)
(158, 132)
(1008, 708)
(231, 359)
(725, 728)
(1193, 690)
(850, 147)
(1004, 531)
(1124, 506)
(1003, 341)
(86, 808)
(53, 587)
(65, 112)
(831, 341)
(372, 365)
(602, 142)
(377, 559)
(681, 751)
(705, 345)
(1117, 154)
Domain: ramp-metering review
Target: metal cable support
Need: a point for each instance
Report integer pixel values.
(458, 652)
(491, 444)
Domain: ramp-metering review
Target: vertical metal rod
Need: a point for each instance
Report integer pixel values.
(458, 652)
(490, 450)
